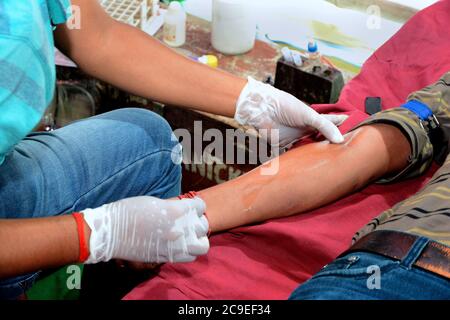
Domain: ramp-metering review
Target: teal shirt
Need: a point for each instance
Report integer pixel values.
(27, 65)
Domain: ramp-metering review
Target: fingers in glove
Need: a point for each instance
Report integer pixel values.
(199, 205)
(199, 246)
(196, 244)
(180, 210)
(172, 209)
(202, 227)
(175, 233)
(326, 127)
(185, 206)
(336, 119)
(179, 250)
(288, 136)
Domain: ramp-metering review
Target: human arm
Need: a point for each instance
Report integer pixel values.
(141, 229)
(130, 59)
(135, 62)
(393, 144)
(308, 177)
(33, 244)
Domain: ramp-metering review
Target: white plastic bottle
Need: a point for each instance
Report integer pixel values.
(233, 26)
(175, 25)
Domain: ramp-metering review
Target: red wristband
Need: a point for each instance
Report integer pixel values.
(84, 251)
(192, 195)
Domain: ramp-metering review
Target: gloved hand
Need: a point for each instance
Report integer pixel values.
(265, 107)
(148, 229)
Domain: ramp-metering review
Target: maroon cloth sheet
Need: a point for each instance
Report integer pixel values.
(269, 260)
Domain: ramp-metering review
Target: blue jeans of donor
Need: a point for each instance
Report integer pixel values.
(120, 154)
(368, 276)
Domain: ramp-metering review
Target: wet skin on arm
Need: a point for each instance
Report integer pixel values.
(308, 177)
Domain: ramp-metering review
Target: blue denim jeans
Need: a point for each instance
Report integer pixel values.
(120, 154)
(368, 276)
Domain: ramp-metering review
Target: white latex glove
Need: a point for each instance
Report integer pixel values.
(265, 107)
(148, 229)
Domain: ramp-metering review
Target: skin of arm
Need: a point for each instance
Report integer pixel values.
(144, 66)
(28, 245)
(308, 177)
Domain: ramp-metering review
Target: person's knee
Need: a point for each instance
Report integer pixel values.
(156, 129)
(160, 140)
(141, 142)
(146, 119)
(151, 122)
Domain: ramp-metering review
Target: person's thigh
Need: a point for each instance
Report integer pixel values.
(120, 154)
(366, 276)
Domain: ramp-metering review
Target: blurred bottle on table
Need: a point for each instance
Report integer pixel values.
(175, 25)
(233, 26)
(314, 61)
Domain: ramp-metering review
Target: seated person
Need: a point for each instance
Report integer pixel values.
(319, 173)
(410, 241)
(406, 248)
(391, 145)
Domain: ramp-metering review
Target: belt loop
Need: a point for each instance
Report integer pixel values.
(415, 252)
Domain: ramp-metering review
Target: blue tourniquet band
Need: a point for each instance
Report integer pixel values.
(422, 110)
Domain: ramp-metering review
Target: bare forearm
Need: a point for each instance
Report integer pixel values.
(157, 72)
(133, 61)
(29, 245)
(308, 177)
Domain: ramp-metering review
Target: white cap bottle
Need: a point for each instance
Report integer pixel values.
(233, 26)
(175, 25)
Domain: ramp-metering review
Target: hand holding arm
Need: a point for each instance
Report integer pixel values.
(308, 177)
(268, 108)
(142, 229)
(147, 229)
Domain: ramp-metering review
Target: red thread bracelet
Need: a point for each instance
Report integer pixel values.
(84, 251)
(192, 195)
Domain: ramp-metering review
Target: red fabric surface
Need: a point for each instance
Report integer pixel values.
(269, 260)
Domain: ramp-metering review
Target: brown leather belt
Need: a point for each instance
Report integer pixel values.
(435, 257)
